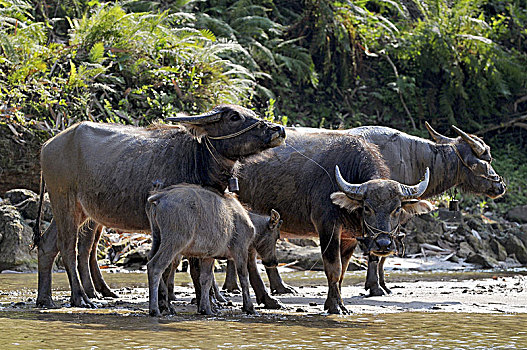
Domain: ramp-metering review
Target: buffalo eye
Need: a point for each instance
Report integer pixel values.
(367, 210)
(235, 117)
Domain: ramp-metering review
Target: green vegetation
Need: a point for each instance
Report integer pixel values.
(333, 64)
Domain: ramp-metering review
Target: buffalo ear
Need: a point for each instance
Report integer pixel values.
(415, 207)
(345, 202)
(274, 220)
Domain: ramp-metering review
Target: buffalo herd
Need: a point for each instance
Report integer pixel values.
(346, 187)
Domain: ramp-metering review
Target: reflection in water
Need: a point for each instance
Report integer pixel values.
(388, 331)
(130, 328)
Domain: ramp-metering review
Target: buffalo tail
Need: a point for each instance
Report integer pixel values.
(36, 228)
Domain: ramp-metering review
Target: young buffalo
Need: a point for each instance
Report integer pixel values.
(197, 222)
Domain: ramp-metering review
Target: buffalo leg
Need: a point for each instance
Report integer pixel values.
(372, 277)
(84, 248)
(240, 260)
(329, 234)
(215, 291)
(195, 273)
(47, 252)
(231, 283)
(262, 296)
(161, 260)
(169, 276)
(382, 282)
(95, 271)
(205, 281)
(346, 251)
(194, 267)
(69, 216)
(278, 286)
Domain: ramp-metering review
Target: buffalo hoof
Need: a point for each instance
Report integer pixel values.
(107, 293)
(46, 303)
(250, 310)
(207, 311)
(154, 313)
(172, 296)
(92, 294)
(376, 292)
(336, 308)
(230, 286)
(220, 298)
(82, 301)
(283, 289)
(272, 303)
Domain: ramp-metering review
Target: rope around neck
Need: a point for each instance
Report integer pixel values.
(252, 126)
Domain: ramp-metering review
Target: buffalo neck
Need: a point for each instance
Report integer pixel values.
(213, 169)
(445, 167)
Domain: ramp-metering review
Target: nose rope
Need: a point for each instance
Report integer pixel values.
(375, 232)
(495, 178)
(238, 133)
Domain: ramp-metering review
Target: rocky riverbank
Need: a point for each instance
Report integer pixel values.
(440, 240)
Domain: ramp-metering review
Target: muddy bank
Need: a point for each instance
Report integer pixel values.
(474, 292)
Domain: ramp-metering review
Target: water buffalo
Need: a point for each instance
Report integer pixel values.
(463, 162)
(297, 180)
(267, 230)
(105, 172)
(198, 222)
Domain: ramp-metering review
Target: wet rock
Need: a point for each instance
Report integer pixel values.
(518, 214)
(135, 258)
(26, 202)
(16, 239)
(484, 260)
(306, 257)
(515, 246)
(498, 249)
(465, 250)
(304, 242)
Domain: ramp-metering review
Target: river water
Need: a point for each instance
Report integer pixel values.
(125, 325)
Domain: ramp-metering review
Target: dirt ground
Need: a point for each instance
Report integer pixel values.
(412, 291)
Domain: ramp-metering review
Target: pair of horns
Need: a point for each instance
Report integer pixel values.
(476, 146)
(405, 191)
(205, 118)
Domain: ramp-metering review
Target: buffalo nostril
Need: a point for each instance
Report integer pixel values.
(383, 242)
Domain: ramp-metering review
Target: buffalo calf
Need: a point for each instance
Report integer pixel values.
(197, 222)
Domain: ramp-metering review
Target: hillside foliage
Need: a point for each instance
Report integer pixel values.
(333, 64)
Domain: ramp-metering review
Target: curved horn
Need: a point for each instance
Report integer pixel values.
(414, 192)
(474, 144)
(205, 118)
(437, 136)
(352, 191)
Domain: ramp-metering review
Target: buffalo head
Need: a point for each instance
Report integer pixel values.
(233, 131)
(266, 237)
(384, 205)
(476, 172)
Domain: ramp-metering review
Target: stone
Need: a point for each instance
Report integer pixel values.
(518, 214)
(135, 258)
(15, 242)
(26, 202)
(465, 250)
(498, 249)
(308, 258)
(304, 242)
(515, 246)
(484, 260)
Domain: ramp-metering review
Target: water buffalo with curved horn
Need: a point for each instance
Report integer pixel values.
(297, 180)
(463, 162)
(104, 172)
